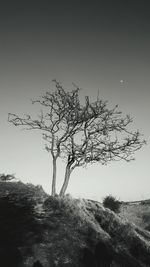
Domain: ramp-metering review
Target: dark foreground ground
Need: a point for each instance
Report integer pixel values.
(37, 230)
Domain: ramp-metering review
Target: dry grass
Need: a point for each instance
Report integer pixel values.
(138, 214)
(67, 226)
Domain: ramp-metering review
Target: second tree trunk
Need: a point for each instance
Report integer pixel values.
(66, 181)
(54, 178)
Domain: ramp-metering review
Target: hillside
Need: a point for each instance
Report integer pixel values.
(38, 230)
(137, 212)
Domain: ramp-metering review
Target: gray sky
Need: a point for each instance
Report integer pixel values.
(96, 45)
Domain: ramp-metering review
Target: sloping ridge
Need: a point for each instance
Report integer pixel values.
(38, 230)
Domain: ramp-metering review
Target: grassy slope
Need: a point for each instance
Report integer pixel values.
(138, 213)
(67, 231)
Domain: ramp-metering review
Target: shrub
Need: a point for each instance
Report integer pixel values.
(112, 203)
(7, 177)
(51, 203)
(147, 228)
(146, 218)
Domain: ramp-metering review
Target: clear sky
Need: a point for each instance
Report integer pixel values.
(101, 45)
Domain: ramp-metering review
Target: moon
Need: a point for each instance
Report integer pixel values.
(121, 81)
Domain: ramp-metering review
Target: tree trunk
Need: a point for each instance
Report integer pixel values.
(66, 181)
(54, 178)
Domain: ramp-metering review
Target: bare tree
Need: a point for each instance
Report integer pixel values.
(81, 133)
(58, 121)
(103, 136)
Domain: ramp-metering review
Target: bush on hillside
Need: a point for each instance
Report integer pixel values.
(112, 203)
(146, 220)
(6, 177)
